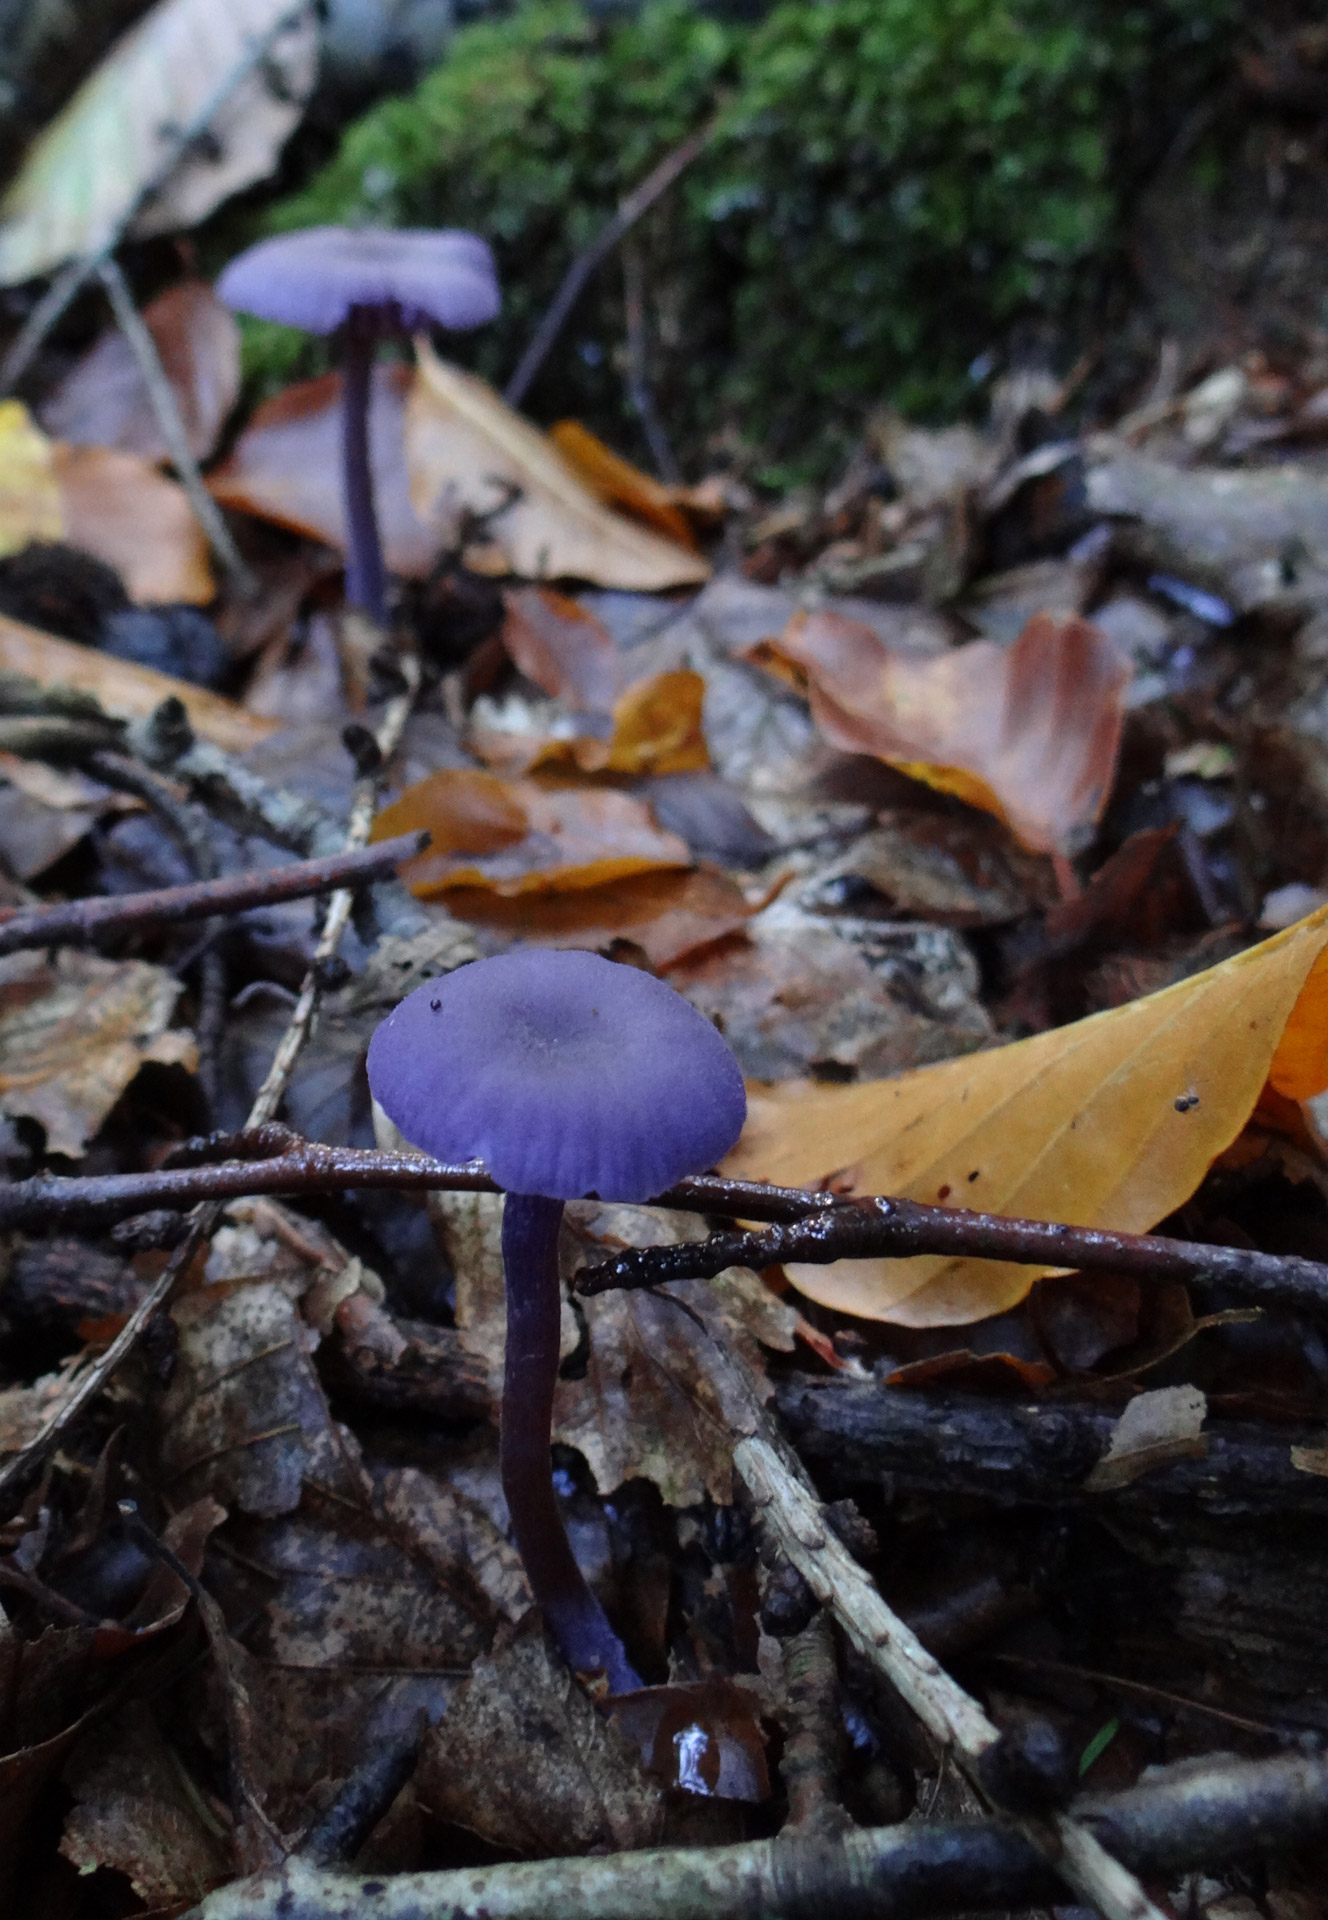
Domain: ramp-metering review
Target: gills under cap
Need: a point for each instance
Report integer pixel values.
(313, 278)
(564, 1073)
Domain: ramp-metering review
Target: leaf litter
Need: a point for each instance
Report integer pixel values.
(960, 812)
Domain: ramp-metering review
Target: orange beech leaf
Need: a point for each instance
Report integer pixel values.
(621, 484)
(666, 914)
(286, 466)
(119, 507)
(657, 728)
(123, 688)
(1028, 732)
(564, 649)
(572, 836)
(1109, 1122)
(470, 453)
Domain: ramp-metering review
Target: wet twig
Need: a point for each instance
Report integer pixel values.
(878, 1228)
(1207, 1815)
(74, 922)
(809, 1768)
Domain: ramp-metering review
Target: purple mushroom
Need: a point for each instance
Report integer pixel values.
(567, 1075)
(373, 284)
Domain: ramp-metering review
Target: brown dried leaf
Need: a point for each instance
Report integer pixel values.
(134, 1811)
(286, 466)
(1028, 732)
(469, 453)
(450, 1532)
(575, 836)
(74, 1032)
(648, 1405)
(564, 649)
(619, 484)
(668, 916)
(244, 1416)
(657, 729)
(703, 1738)
(118, 507)
(125, 690)
(103, 400)
(1156, 1428)
(524, 1760)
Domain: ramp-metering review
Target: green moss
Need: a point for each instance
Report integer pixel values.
(890, 185)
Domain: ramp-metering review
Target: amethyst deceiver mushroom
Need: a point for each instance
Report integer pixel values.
(374, 284)
(567, 1075)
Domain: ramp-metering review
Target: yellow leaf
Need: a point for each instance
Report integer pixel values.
(657, 726)
(1110, 1122)
(30, 506)
(618, 482)
(468, 451)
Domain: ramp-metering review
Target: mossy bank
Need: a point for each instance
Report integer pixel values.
(889, 188)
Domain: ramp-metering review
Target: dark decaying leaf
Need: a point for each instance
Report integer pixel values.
(703, 1738)
(524, 1760)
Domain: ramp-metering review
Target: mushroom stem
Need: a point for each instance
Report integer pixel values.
(366, 581)
(530, 1371)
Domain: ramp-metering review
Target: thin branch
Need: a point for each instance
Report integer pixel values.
(657, 181)
(72, 922)
(72, 277)
(879, 1228)
(1208, 1815)
(166, 410)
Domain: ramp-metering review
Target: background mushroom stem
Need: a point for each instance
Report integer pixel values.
(534, 1305)
(366, 578)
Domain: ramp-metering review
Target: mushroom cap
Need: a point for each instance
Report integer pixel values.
(564, 1073)
(313, 278)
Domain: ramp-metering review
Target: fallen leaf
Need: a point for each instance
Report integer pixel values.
(574, 836)
(30, 504)
(1155, 1429)
(103, 399)
(703, 1738)
(75, 1031)
(93, 164)
(1109, 1122)
(123, 689)
(1028, 732)
(619, 484)
(657, 729)
(118, 507)
(524, 1759)
(137, 1811)
(469, 453)
(286, 466)
(564, 649)
(668, 916)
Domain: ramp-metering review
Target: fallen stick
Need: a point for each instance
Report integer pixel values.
(71, 922)
(877, 1228)
(1201, 1815)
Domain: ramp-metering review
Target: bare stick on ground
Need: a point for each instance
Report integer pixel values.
(1205, 1814)
(74, 922)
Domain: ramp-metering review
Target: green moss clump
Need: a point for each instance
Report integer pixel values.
(889, 186)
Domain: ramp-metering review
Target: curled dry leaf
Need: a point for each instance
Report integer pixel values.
(136, 1810)
(469, 454)
(524, 1759)
(658, 728)
(703, 1737)
(75, 1031)
(286, 466)
(619, 484)
(1156, 1428)
(118, 507)
(124, 690)
(103, 399)
(515, 836)
(1109, 1122)
(91, 166)
(668, 916)
(1028, 732)
(114, 505)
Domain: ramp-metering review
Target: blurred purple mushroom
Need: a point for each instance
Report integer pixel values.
(567, 1075)
(373, 284)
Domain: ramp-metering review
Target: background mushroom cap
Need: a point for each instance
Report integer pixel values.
(564, 1073)
(313, 278)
